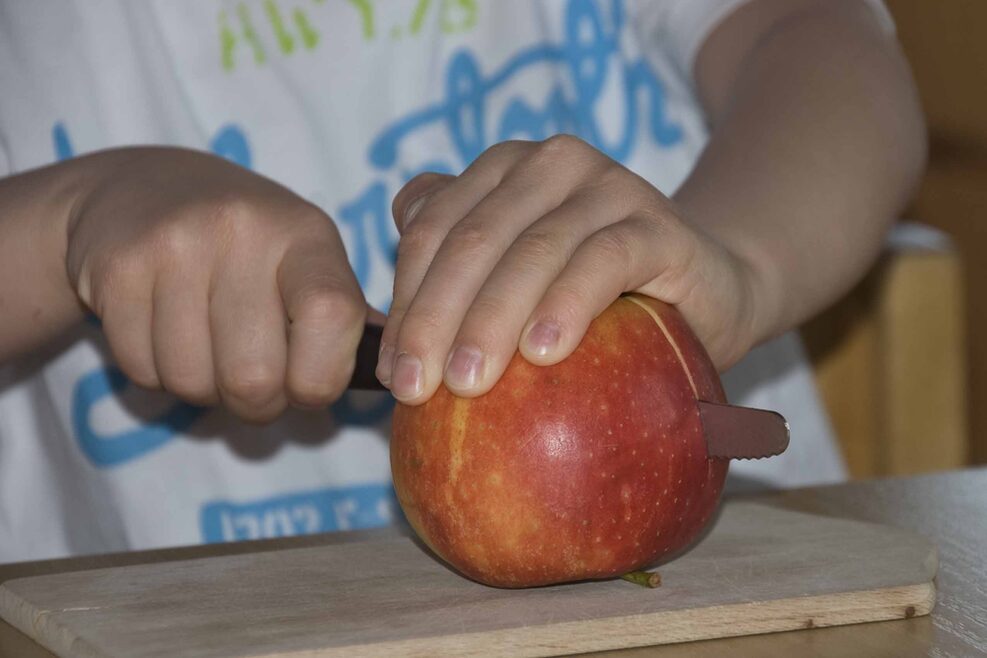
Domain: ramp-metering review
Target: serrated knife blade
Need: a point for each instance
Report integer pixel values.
(734, 432)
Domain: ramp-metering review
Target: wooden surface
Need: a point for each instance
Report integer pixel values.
(761, 569)
(924, 366)
(944, 42)
(890, 363)
(954, 198)
(950, 508)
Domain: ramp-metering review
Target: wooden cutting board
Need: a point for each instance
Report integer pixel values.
(760, 570)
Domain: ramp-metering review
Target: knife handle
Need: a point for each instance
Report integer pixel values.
(364, 377)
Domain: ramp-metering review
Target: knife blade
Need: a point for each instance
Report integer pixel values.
(734, 432)
(731, 432)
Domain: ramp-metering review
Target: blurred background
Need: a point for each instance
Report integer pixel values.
(899, 361)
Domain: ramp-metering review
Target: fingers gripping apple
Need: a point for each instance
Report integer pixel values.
(586, 469)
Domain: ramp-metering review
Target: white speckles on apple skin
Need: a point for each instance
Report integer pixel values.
(647, 522)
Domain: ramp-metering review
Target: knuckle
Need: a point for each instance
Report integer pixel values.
(487, 307)
(326, 302)
(421, 237)
(315, 392)
(564, 300)
(230, 211)
(308, 393)
(660, 221)
(613, 245)
(509, 147)
(563, 144)
(237, 221)
(611, 174)
(252, 382)
(121, 268)
(469, 238)
(117, 279)
(485, 325)
(537, 247)
(561, 150)
(138, 372)
(316, 216)
(498, 159)
(417, 326)
(260, 415)
(176, 241)
(192, 389)
(425, 181)
(311, 223)
(187, 381)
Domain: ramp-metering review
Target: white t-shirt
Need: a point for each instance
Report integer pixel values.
(342, 102)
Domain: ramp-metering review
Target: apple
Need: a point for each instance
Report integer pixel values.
(587, 469)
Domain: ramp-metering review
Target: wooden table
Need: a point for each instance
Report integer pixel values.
(951, 508)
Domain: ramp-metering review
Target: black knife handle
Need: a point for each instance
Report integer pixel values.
(363, 378)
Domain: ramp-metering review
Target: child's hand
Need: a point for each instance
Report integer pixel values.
(215, 283)
(525, 248)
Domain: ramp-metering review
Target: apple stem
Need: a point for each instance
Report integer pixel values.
(650, 579)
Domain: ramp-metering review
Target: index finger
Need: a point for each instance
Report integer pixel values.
(326, 311)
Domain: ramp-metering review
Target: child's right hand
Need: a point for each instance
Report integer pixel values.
(214, 283)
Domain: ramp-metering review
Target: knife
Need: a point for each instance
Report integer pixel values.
(732, 432)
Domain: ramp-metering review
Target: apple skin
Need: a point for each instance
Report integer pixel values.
(587, 469)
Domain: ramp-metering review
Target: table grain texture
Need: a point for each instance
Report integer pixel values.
(950, 508)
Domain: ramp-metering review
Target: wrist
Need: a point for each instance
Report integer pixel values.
(764, 293)
(750, 302)
(39, 299)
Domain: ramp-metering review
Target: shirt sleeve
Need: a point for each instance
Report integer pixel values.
(681, 27)
(4, 161)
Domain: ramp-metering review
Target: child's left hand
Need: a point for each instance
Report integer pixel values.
(525, 248)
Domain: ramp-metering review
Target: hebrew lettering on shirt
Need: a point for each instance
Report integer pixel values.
(322, 510)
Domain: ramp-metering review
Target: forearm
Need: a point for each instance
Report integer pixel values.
(37, 301)
(816, 146)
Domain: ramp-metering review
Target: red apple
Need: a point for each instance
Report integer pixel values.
(587, 469)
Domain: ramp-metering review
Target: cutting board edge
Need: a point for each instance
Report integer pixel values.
(178, 563)
(42, 627)
(585, 636)
(59, 632)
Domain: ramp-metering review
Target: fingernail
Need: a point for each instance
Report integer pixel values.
(464, 368)
(406, 380)
(413, 209)
(542, 338)
(385, 361)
